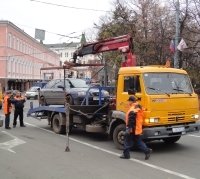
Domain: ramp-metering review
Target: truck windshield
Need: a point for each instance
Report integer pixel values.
(167, 83)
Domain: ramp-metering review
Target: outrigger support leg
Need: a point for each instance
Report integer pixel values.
(67, 127)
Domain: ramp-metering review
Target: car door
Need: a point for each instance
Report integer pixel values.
(58, 93)
(47, 92)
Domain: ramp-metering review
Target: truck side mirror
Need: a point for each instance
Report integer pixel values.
(131, 91)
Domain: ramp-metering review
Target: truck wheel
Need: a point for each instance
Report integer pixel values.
(118, 136)
(57, 127)
(171, 140)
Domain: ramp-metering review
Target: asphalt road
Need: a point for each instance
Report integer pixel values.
(36, 152)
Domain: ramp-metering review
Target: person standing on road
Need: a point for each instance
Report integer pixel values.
(7, 108)
(134, 118)
(19, 109)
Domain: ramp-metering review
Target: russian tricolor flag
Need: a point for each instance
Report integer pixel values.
(171, 47)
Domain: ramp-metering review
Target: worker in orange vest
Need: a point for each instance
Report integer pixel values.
(7, 101)
(134, 118)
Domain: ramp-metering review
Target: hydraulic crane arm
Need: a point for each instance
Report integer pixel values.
(123, 44)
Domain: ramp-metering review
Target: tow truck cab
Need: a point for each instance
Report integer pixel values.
(166, 94)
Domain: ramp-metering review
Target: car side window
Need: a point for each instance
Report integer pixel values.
(50, 84)
(57, 82)
(66, 83)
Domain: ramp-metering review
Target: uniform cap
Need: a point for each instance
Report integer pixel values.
(131, 98)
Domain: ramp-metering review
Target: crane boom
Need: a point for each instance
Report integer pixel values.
(123, 44)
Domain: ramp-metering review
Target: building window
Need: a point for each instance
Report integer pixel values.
(20, 46)
(16, 67)
(14, 42)
(61, 54)
(9, 41)
(17, 44)
(26, 48)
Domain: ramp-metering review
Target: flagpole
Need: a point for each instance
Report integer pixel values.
(176, 54)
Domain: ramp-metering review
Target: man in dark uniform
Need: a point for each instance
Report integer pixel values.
(19, 108)
(134, 118)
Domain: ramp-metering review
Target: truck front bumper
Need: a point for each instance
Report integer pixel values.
(152, 133)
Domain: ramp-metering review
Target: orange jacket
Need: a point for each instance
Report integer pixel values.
(138, 120)
(7, 106)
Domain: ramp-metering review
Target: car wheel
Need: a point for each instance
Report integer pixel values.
(70, 100)
(43, 101)
(0, 107)
(27, 98)
(36, 97)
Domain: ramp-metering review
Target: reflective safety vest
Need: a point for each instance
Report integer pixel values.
(7, 107)
(139, 118)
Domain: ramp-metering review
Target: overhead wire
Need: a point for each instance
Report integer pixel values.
(72, 7)
(67, 35)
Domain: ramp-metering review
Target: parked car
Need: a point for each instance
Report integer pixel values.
(53, 92)
(32, 92)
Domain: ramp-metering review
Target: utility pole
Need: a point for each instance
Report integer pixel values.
(176, 54)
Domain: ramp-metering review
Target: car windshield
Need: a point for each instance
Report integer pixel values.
(33, 89)
(77, 83)
(167, 83)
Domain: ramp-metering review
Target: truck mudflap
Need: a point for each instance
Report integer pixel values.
(170, 131)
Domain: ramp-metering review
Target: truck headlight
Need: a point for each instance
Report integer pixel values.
(195, 116)
(153, 119)
(81, 93)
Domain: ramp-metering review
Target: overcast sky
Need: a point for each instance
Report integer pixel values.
(60, 20)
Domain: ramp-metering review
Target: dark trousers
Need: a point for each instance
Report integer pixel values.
(7, 120)
(18, 112)
(138, 142)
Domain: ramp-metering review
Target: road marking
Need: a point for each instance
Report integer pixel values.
(193, 135)
(117, 154)
(12, 143)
